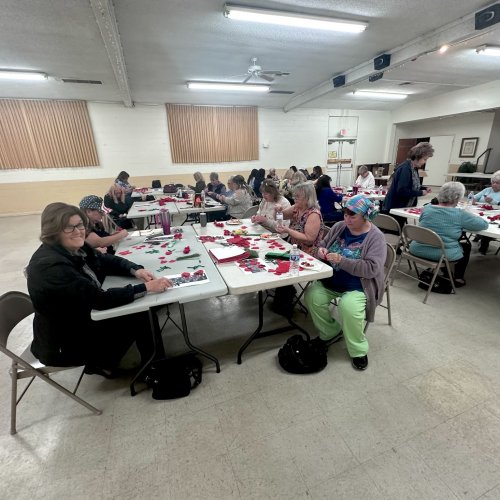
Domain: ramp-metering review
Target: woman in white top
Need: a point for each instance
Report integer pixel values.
(266, 214)
(365, 178)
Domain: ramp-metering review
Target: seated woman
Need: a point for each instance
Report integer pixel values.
(98, 235)
(65, 278)
(266, 215)
(449, 221)
(240, 201)
(200, 183)
(122, 181)
(356, 250)
(489, 195)
(327, 199)
(305, 228)
(365, 178)
(115, 200)
(317, 172)
(273, 175)
(215, 186)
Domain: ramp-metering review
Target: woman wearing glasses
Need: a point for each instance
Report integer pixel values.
(356, 250)
(64, 281)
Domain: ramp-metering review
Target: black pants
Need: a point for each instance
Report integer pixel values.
(461, 264)
(112, 338)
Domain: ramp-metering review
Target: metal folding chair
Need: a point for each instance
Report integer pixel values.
(14, 307)
(391, 229)
(426, 237)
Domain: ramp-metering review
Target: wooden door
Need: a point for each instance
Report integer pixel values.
(404, 145)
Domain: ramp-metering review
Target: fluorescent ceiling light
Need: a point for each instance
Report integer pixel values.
(292, 19)
(386, 96)
(231, 87)
(488, 50)
(443, 48)
(6, 74)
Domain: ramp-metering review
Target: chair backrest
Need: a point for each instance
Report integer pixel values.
(422, 235)
(387, 223)
(156, 184)
(14, 307)
(251, 211)
(390, 260)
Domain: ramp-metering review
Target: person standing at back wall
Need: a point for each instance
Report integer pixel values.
(405, 185)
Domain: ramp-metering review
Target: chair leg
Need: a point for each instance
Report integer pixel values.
(79, 380)
(13, 398)
(388, 298)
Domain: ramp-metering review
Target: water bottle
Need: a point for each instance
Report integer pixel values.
(203, 199)
(203, 219)
(165, 220)
(294, 260)
(470, 198)
(279, 218)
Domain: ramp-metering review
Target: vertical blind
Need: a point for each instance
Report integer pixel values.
(212, 134)
(45, 134)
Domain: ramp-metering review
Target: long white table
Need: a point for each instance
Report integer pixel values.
(239, 283)
(473, 175)
(149, 257)
(493, 230)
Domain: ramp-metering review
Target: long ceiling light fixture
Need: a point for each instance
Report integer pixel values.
(230, 87)
(292, 19)
(7, 74)
(386, 96)
(488, 50)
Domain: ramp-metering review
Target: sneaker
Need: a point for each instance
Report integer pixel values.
(360, 363)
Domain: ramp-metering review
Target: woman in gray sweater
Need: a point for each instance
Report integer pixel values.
(356, 250)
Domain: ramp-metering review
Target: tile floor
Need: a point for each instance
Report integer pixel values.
(422, 422)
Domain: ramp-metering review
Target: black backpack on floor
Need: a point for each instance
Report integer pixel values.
(174, 377)
(299, 355)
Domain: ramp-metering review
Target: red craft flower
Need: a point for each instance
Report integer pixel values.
(186, 250)
(177, 236)
(227, 232)
(185, 274)
(199, 272)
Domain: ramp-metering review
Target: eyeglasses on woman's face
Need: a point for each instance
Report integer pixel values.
(71, 227)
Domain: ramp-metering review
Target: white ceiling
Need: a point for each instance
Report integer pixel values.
(167, 42)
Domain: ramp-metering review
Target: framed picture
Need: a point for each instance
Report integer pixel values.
(468, 147)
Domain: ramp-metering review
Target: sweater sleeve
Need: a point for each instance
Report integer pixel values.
(471, 222)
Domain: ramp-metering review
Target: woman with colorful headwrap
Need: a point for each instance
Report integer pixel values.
(356, 250)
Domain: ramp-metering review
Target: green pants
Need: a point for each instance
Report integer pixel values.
(352, 309)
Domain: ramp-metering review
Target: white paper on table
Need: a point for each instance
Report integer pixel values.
(194, 279)
(224, 253)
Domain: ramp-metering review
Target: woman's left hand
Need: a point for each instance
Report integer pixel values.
(282, 229)
(144, 275)
(335, 258)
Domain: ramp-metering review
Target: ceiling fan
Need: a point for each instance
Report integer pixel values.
(256, 71)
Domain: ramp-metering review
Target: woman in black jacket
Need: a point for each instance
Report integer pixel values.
(64, 282)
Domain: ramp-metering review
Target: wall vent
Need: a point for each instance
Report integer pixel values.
(282, 92)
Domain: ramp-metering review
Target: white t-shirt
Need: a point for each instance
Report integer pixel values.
(367, 182)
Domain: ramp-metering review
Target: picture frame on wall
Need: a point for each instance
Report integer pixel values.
(468, 147)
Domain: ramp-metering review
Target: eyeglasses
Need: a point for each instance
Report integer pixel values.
(348, 212)
(71, 227)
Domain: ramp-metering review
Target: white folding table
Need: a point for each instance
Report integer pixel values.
(239, 283)
(149, 257)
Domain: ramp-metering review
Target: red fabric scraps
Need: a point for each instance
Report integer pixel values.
(186, 250)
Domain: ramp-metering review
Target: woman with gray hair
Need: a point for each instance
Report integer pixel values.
(489, 195)
(305, 219)
(449, 221)
(365, 178)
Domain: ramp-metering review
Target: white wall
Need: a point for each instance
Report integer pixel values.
(136, 140)
(471, 125)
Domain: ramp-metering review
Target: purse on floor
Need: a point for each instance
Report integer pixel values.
(174, 377)
(299, 355)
